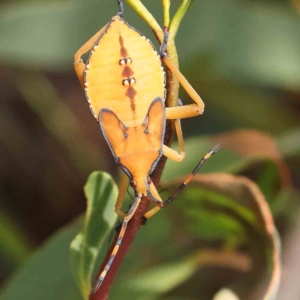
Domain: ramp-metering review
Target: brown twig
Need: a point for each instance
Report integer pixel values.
(132, 229)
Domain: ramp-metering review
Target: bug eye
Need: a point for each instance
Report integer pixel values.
(149, 180)
(132, 184)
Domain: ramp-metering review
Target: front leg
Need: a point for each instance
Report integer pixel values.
(79, 65)
(123, 185)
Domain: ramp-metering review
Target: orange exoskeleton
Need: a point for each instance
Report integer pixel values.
(124, 83)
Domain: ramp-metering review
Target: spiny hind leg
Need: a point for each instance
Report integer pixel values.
(123, 185)
(155, 198)
(171, 153)
(79, 65)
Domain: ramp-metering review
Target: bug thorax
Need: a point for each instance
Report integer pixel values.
(141, 185)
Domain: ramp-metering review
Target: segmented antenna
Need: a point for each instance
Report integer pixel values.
(187, 180)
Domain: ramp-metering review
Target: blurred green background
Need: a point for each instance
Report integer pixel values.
(242, 56)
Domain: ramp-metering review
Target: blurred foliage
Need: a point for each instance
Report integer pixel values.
(186, 250)
(242, 57)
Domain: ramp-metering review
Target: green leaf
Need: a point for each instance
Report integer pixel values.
(214, 225)
(205, 215)
(101, 193)
(46, 275)
(174, 274)
(47, 272)
(239, 154)
(170, 275)
(255, 41)
(289, 143)
(15, 245)
(245, 203)
(63, 27)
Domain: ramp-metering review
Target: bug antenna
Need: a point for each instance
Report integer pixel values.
(187, 180)
(116, 248)
(121, 8)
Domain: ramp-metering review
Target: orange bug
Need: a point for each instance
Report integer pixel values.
(124, 83)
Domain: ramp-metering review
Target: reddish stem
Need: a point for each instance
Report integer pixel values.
(132, 229)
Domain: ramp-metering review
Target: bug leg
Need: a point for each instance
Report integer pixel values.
(123, 185)
(126, 220)
(158, 202)
(169, 152)
(151, 213)
(156, 199)
(79, 65)
(185, 84)
(185, 111)
(182, 112)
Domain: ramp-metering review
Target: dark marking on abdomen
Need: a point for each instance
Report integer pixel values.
(132, 105)
(123, 49)
(131, 92)
(127, 72)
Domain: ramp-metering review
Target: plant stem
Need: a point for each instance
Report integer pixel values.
(166, 7)
(144, 13)
(132, 229)
(178, 18)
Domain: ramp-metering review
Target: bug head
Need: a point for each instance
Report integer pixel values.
(141, 185)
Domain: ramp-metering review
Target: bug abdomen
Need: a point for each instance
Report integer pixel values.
(123, 73)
